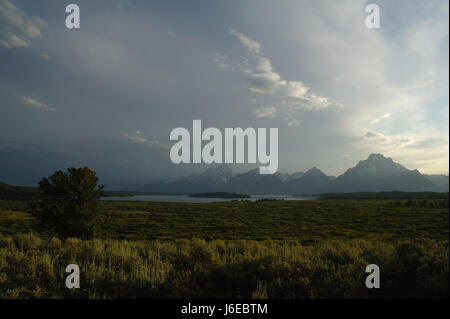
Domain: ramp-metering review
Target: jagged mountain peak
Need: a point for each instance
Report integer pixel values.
(222, 169)
(294, 176)
(377, 159)
(378, 164)
(380, 173)
(314, 171)
(378, 156)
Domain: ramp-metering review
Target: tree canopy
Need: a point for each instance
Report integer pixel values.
(67, 203)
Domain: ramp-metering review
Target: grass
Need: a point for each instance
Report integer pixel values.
(301, 220)
(280, 249)
(31, 267)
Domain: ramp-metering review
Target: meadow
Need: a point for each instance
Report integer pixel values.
(280, 249)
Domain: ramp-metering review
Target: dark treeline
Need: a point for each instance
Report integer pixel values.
(25, 193)
(384, 195)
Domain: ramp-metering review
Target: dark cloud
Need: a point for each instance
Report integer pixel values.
(79, 97)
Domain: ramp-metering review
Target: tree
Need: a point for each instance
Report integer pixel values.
(67, 203)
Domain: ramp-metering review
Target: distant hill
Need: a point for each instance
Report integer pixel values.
(13, 192)
(375, 174)
(384, 195)
(17, 192)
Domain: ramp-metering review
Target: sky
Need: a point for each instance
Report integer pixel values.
(107, 95)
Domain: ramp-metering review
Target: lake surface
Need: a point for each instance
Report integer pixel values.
(187, 199)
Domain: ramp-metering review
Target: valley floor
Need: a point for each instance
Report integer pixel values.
(307, 221)
(286, 249)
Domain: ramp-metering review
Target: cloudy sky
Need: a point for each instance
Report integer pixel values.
(108, 94)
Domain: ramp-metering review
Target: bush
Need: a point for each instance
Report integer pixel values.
(31, 267)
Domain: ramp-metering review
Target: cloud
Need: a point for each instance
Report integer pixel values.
(222, 62)
(413, 149)
(137, 139)
(44, 56)
(319, 50)
(286, 97)
(37, 104)
(383, 117)
(389, 140)
(249, 44)
(372, 135)
(18, 30)
(265, 112)
(429, 142)
(13, 41)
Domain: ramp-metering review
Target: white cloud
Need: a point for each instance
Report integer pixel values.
(222, 61)
(383, 117)
(286, 97)
(18, 30)
(13, 41)
(37, 104)
(250, 45)
(428, 154)
(138, 139)
(265, 112)
(388, 140)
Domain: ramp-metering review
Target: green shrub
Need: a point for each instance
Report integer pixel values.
(32, 267)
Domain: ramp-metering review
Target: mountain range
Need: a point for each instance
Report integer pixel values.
(375, 174)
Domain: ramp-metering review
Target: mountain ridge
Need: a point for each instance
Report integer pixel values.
(375, 174)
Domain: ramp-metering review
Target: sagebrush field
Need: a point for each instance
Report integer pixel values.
(283, 249)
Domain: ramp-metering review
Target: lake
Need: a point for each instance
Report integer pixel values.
(187, 199)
